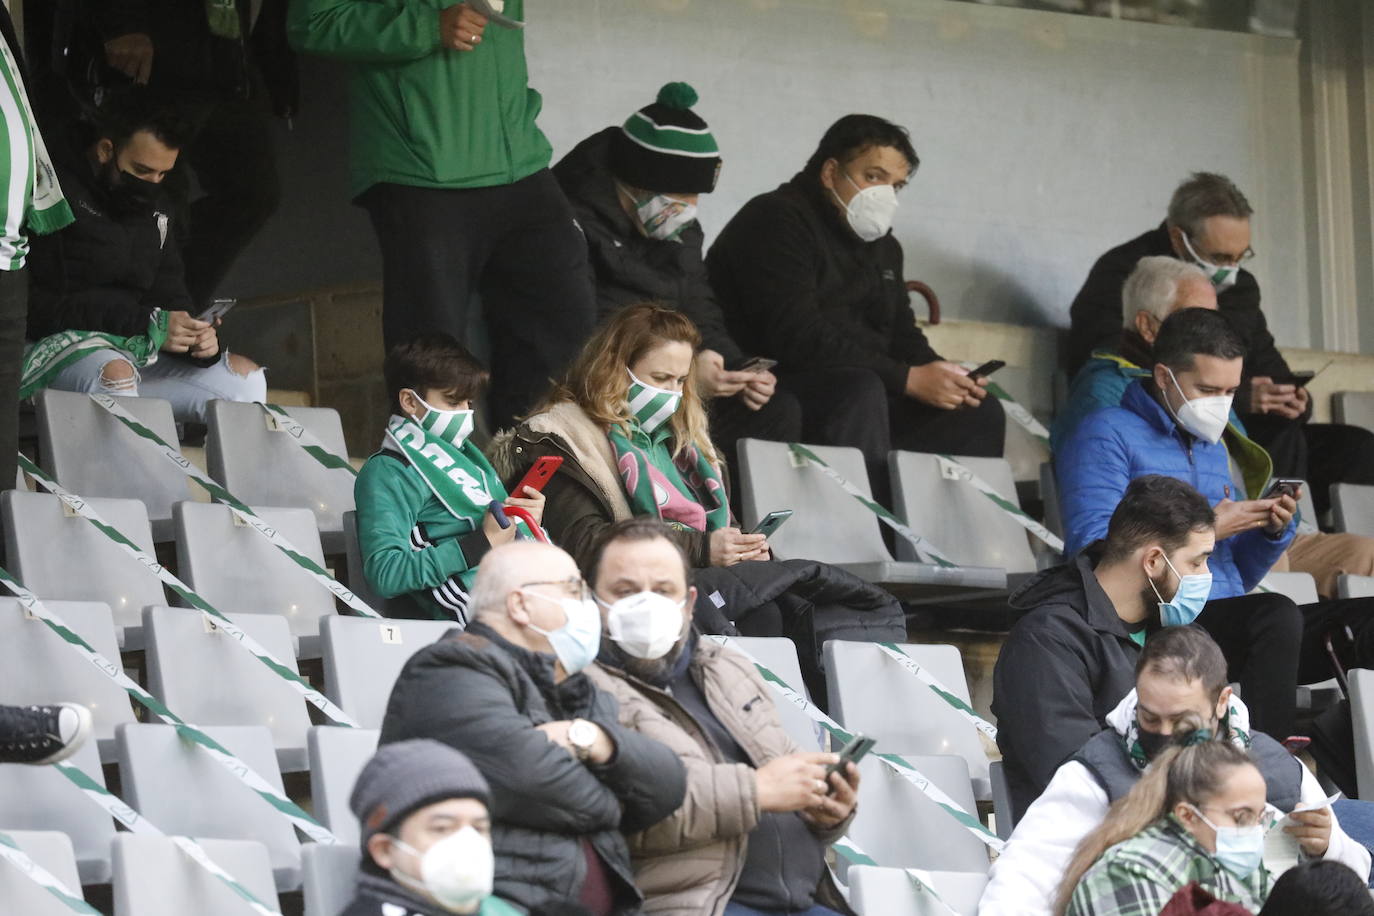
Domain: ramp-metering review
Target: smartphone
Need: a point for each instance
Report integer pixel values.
(1297, 378)
(772, 522)
(538, 475)
(758, 364)
(852, 752)
(988, 368)
(218, 308)
(1282, 486)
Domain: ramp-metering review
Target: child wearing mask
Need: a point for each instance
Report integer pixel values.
(423, 498)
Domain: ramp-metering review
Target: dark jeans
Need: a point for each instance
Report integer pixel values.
(14, 297)
(780, 420)
(517, 246)
(1320, 453)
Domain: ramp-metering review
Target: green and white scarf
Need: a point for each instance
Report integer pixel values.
(1236, 725)
(53, 353)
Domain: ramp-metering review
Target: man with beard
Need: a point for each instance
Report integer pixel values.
(751, 835)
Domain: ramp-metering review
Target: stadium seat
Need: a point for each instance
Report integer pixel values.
(264, 466)
(912, 718)
(878, 891)
(41, 798)
(154, 877)
(37, 666)
(1049, 495)
(1352, 508)
(779, 655)
(1351, 586)
(1353, 407)
(182, 790)
(899, 826)
(1001, 800)
(239, 571)
(1362, 717)
(331, 873)
(36, 522)
(1023, 452)
(1299, 586)
(206, 677)
(51, 851)
(363, 658)
(90, 452)
(337, 756)
(973, 531)
(387, 607)
(832, 526)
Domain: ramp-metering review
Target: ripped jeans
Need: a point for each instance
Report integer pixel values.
(189, 388)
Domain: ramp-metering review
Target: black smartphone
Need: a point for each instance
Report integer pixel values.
(988, 368)
(758, 364)
(1282, 486)
(1297, 378)
(772, 522)
(853, 752)
(218, 308)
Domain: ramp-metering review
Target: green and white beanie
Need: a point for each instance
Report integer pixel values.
(665, 147)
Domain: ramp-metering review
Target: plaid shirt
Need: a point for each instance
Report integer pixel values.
(1138, 876)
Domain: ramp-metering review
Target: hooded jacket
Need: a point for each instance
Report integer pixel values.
(1114, 446)
(478, 693)
(1065, 664)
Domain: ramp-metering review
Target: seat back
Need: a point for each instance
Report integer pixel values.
(92, 453)
(262, 465)
(967, 526)
(912, 718)
(1355, 408)
(239, 571)
(779, 655)
(152, 877)
(899, 826)
(41, 798)
(337, 756)
(1032, 389)
(51, 851)
(37, 665)
(1049, 496)
(1352, 508)
(878, 891)
(179, 787)
(1001, 800)
(829, 524)
(36, 522)
(357, 580)
(363, 657)
(1352, 586)
(1299, 586)
(1362, 718)
(331, 876)
(206, 677)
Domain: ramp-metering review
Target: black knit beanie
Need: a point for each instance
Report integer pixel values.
(665, 147)
(407, 775)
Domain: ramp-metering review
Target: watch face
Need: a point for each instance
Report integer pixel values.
(581, 733)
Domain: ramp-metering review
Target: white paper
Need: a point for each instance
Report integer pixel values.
(1281, 849)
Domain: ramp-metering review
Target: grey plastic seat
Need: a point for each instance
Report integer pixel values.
(41, 798)
(910, 718)
(1031, 389)
(877, 891)
(1353, 407)
(779, 655)
(972, 530)
(153, 877)
(206, 677)
(90, 452)
(331, 876)
(832, 526)
(1362, 717)
(1001, 800)
(1352, 508)
(34, 522)
(363, 658)
(899, 826)
(37, 665)
(1299, 586)
(1351, 586)
(357, 581)
(265, 467)
(337, 756)
(181, 789)
(51, 851)
(241, 572)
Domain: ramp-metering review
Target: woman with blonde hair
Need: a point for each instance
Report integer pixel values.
(1197, 815)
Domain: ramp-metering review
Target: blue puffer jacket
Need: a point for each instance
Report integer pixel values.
(1113, 446)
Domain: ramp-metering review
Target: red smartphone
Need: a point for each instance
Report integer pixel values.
(538, 475)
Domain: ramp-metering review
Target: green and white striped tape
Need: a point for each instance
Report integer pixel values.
(195, 736)
(240, 509)
(82, 508)
(954, 469)
(894, 652)
(896, 764)
(1019, 415)
(303, 437)
(10, 852)
(921, 880)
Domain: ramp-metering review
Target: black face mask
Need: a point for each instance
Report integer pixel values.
(1151, 743)
(129, 193)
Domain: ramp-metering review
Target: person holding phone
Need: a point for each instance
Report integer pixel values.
(751, 833)
(427, 499)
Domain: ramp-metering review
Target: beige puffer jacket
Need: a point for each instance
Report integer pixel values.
(688, 863)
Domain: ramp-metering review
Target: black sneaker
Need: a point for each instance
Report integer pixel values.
(42, 734)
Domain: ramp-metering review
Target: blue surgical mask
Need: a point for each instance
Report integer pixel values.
(577, 641)
(1188, 599)
(1240, 850)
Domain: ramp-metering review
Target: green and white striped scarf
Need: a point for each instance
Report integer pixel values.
(56, 351)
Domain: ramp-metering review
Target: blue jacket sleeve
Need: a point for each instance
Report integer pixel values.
(1093, 471)
(1255, 552)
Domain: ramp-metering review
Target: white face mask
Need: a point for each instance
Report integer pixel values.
(664, 217)
(455, 872)
(1221, 277)
(1205, 418)
(870, 211)
(645, 625)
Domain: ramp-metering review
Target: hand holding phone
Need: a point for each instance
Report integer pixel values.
(758, 364)
(852, 752)
(218, 309)
(988, 368)
(538, 475)
(772, 522)
(1283, 486)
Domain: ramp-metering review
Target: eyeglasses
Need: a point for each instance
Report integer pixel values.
(573, 586)
(1266, 817)
(1222, 259)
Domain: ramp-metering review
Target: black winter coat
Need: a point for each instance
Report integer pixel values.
(1096, 313)
(477, 692)
(629, 267)
(797, 285)
(1066, 664)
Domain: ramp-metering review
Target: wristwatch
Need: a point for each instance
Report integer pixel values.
(582, 735)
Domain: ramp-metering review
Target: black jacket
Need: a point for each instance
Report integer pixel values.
(1064, 666)
(629, 267)
(484, 696)
(1096, 317)
(797, 285)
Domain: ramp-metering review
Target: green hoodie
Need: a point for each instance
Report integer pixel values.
(423, 115)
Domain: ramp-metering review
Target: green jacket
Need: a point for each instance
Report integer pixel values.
(423, 115)
(409, 542)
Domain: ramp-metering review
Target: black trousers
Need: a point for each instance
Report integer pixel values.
(517, 246)
(1320, 453)
(780, 420)
(14, 297)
